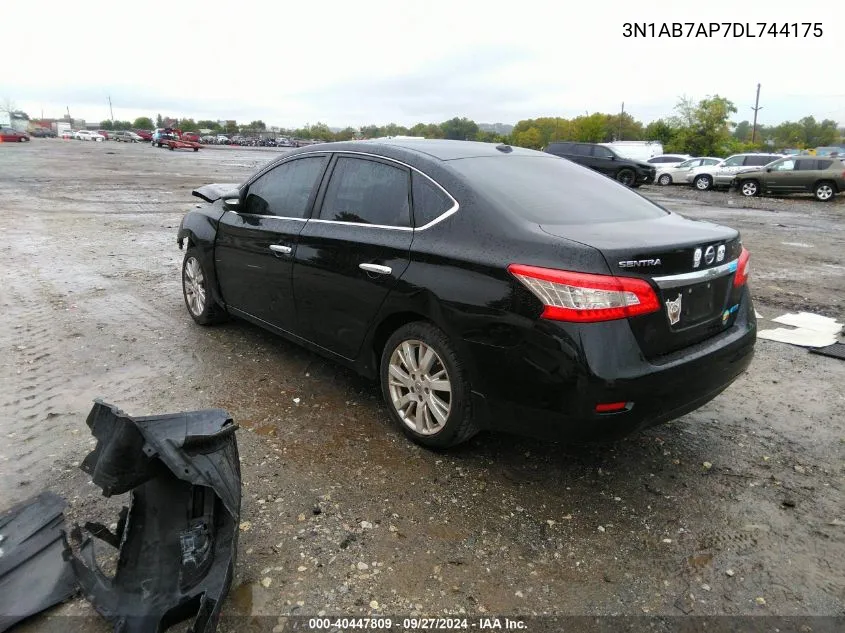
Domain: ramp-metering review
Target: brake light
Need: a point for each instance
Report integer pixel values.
(586, 298)
(742, 269)
(611, 407)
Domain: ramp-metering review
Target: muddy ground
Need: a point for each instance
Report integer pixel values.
(734, 509)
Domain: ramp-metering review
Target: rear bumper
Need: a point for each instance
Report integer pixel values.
(548, 386)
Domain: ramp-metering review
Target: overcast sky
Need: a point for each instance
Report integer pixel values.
(371, 61)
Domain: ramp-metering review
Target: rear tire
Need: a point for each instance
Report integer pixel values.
(627, 177)
(426, 386)
(703, 182)
(201, 306)
(824, 191)
(749, 188)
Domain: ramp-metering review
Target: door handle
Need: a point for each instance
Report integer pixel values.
(281, 249)
(375, 268)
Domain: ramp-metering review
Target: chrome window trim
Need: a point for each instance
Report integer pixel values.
(674, 281)
(450, 211)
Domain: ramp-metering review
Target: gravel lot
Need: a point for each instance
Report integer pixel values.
(734, 509)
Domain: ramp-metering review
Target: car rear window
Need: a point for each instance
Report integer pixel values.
(554, 191)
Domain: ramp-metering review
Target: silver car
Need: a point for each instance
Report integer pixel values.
(722, 173)
(676, 174)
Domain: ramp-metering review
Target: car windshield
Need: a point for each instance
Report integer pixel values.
(553, 190)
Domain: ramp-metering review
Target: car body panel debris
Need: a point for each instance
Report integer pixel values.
(812, 330)
(215, 191)
(810, 321)
(33, 574)
(837, 350)
(178, 537)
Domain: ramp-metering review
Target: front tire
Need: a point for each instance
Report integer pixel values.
(665, 179)
(201, 306)
(750, 188)
(627, 177)
(426, 386)
(703, 182)
(824, 191)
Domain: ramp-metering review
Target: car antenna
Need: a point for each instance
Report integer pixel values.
(507, 149)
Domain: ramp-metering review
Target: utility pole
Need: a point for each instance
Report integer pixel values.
(69, 120)
(756, 107)
(110, 110)
(621, 115)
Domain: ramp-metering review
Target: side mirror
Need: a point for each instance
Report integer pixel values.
(232, 200)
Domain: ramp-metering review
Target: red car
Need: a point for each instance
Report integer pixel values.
(145, 134)
(8, 135)
(191, 136)
(105, 134)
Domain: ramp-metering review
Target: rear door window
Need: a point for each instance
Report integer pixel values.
(582, 150)
(601, 152)
(367, 192)
(758, 160)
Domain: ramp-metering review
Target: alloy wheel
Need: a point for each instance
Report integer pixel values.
(824, 192)
(665, 179)
(194, 282)
(749, 188)
(419, 386)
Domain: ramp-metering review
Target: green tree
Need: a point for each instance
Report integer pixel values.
(122, 125)
(703, 129)
(742, 131)
(531, 138)
(187, 125)
(143, 123)
(346, 134)
(459, 128)
(159, 121)
(259, 126)
(106, 125)
(207, 124)
(591, 129)
(659, 130)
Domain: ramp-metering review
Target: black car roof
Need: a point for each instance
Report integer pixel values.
(440, 149)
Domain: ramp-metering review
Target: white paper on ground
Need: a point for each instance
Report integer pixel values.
(801, 336)
(810, 321)
(758, 315)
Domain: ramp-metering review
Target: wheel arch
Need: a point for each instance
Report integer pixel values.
(829, 181)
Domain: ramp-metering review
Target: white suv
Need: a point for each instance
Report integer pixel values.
(722, 174)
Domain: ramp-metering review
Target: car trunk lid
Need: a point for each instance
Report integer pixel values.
(690, 265)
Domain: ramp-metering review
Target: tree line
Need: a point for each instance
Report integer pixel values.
(699, 128)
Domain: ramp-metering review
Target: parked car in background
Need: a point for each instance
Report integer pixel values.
(222, 139)
(676, 174)
(208, 139)
(191, 136)
(666, 160)
(605, 160)
(722, 173)
(145, 135)
(126, 136)
(829, 151)
(378, 255)
(105, 134)
(88, 135)
(636, 150)
(791, 152)
(9, 135)
(42, 132)
(823, 177)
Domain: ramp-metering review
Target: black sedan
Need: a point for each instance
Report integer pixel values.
(484, 286)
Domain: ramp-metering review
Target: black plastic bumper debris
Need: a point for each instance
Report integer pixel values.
(177, 540)
(33, 574)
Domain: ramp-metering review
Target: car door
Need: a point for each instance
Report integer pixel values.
(779, 177)
(807, 172)
(602, 159)
(255, 246)
(724, 174)
(353, 250)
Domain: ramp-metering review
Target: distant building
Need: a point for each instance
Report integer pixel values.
(19, 121)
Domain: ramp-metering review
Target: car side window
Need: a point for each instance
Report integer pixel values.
(807, 164)
(429, 200)
(367, 192)
(819, 164)
(601, 152)
(734, 161)
(285, 190)
(580, 150)
(784, 165)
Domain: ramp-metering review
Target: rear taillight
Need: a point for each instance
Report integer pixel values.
(584, 298)
(742, 269)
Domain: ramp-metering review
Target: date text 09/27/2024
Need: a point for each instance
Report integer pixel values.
(723, 29)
